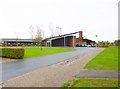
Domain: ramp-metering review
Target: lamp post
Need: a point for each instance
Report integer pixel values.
(96, 40)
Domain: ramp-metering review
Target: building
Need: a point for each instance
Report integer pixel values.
(17, 42)
(68, 40)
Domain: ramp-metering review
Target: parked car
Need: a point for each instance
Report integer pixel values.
(88, 45)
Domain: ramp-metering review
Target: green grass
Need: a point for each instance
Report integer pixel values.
(106, 60)
(36, 51)
(90, 82)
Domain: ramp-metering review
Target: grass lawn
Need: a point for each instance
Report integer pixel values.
(35, 51)
(106, 60)
(90, 82)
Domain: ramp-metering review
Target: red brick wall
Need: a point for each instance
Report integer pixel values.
(80, 34)
(72, 39)
(80, 39)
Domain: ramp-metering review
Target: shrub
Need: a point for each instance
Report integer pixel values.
(15, 53)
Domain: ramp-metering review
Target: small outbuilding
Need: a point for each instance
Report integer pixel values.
(17, 42)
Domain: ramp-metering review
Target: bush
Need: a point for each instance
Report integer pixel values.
(15, 53)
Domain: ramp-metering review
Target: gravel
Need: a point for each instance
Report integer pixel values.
(2, 60)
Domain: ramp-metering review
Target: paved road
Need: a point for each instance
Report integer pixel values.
(13, 69)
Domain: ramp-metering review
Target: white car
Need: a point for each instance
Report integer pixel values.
(88, 45)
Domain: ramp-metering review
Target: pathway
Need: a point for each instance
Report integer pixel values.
(54, 75)
(17, 68)
(97, 74)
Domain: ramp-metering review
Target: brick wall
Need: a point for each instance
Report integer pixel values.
(80, 39)
(72, 41)
(80, 34)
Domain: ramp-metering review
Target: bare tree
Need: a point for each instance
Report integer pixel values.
(39, 36)
(31, 31)
(51, 27)
(43, 31)
(16, 34)
(58, 31)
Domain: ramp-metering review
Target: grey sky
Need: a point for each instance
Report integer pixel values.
(90, 16)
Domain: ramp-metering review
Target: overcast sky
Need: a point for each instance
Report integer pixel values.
(93, 17)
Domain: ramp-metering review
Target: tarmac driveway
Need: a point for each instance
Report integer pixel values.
(13, 69)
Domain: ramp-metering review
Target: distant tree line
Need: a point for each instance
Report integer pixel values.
(105, 44)
(117, 42)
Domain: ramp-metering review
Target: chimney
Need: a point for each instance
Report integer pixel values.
(80, 34)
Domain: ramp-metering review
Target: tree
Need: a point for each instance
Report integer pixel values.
(117, 42)
(39, 36)
(31, 31)
(58, 31)
(51, 27)
(16, 39)
(31, 28)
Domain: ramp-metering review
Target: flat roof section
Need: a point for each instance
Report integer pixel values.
(19, 40)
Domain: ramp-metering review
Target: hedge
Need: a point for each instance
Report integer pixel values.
(15, 53)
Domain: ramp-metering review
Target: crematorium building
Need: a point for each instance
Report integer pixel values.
(70, 40)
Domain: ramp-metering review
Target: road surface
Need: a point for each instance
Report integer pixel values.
(14, 69)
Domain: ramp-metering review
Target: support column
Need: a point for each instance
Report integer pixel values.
(50, 43)
(73, 41)
(64, 41)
